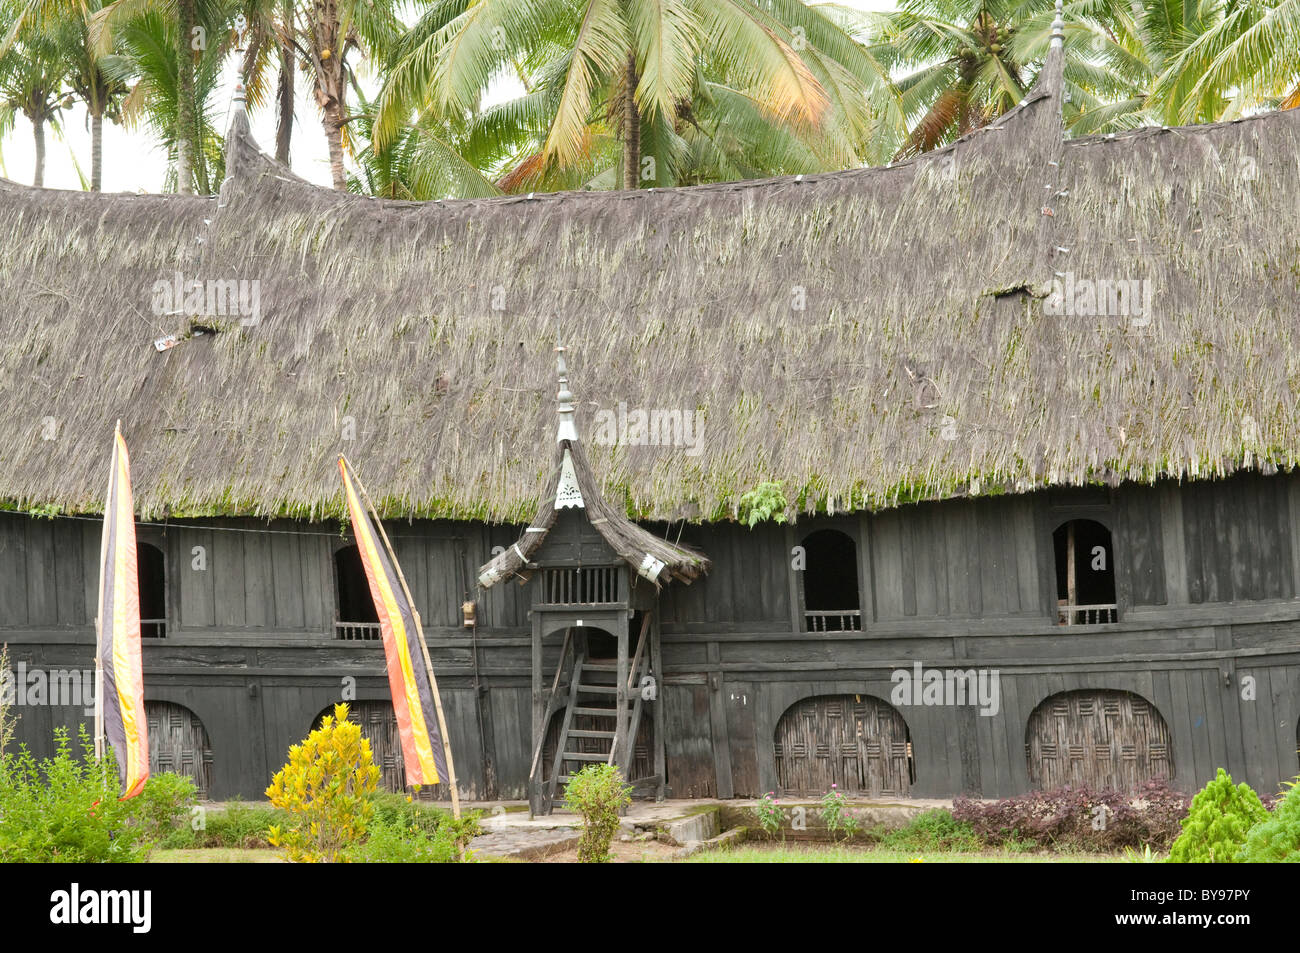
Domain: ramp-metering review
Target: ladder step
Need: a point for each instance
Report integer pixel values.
(584, 733)
(604, 712)
(584, 756)
(599, 689)
(604, 665)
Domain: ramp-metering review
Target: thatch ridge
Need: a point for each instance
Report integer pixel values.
(413, 335)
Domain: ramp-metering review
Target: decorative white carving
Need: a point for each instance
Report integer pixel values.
(567, 494)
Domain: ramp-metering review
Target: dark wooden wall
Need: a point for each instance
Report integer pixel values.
(1206, 579)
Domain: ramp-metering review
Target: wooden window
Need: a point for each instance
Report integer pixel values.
(829, 583)
(356, 618)
(1085, 574)
(151, 566)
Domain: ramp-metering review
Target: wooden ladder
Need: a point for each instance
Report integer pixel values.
(592, 701)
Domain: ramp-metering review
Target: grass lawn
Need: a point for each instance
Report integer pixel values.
(217, 855)
(822, 854)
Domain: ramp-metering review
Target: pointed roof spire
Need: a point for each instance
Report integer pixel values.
(567, 429)
(239, 133)
(1058, 27)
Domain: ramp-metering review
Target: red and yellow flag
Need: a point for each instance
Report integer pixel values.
(409, 678)
(121, 688)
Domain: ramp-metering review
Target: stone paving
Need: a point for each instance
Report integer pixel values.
(510, 832)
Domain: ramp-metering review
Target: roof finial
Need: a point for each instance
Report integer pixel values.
(240, 97)
(1058, 27)
(567, 429)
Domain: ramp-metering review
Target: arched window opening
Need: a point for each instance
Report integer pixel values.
(830, 583)
(1085, 574)
(356, 618)
(151, 567)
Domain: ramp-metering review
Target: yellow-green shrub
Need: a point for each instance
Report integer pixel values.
(1221, 816)
(325, 788)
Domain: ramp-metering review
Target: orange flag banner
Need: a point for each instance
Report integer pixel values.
(409, 677)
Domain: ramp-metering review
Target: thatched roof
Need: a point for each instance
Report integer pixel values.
(573, 486)
(865, 337)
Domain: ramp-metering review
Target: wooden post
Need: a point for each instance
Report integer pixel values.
(657, 664)
(424, 648)
(99, 608)
(620, 690)
(1072, 590)
(99, 692)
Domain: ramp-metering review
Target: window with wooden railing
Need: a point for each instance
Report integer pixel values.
(1085, 574)
(357, 631)
(828, 582)
(151, 574)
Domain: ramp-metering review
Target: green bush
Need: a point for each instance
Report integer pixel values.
(399, 810)
(65, 809)
(934, 830)
(1276, 839)
(406, 831)
(240, 826)
(597, 793)
(164, 810)
(1216, 827)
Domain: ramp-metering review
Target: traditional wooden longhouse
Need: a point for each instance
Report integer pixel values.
(1031, 403)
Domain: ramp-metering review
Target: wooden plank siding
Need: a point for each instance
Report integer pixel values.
(1205, 577)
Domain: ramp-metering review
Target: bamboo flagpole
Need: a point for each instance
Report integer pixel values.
(99, 607)
(419, 630)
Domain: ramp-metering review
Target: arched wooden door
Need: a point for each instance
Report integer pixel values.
(378, 723)
(179, 743)
(1098, 737)
(856, 742)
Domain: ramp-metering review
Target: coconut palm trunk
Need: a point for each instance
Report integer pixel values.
(284, 105)
(185, 98)
(329, 96)
(96, 151)
(631, 126)
(38, 133)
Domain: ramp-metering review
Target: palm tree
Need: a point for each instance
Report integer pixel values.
(32, 74)
(156, 99)
(426, 160)
(269, 28)
(962, 62)
(96, 80)
(197, 27)
(1244, 55)
(632, 74)
(325, 33)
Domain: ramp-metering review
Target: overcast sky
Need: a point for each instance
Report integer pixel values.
(134, 161)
